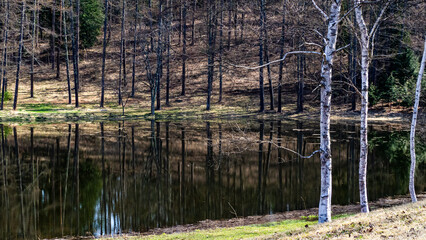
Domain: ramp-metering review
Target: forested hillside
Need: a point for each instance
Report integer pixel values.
(192, 53)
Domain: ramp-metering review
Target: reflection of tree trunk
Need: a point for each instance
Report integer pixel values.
(259, 186)
(66, 172)
(21, 190)
(5, 192)
(266, 167)
(77, 174)
(158, 153)
(166, 165)
(182, 186)
(133, 149)
(104, 190)
(33, 168)
(299, 160)
(280, 169)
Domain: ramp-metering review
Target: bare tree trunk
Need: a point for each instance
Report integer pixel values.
(194, 8)
(58, 48)
(33, 50)
(413, 126)
(242, 26)
(122, 56)
(261, 41)
(229, 23)
(169, 31)
(150, 24)
(365, 41)
(75, 33)
(221, 51)
(104, 54)
(53, 37)
(183, 47)
(159, 73)
(268, 68)
(18, 68)
(280, 74)
(324, 211)
(211, 41)
(67, 65)
(135, 28)
(236, 21)
(4, 62)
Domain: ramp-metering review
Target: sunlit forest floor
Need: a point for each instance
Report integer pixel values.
(240, 86)
(404, 221)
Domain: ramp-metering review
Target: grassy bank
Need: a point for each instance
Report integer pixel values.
(400, 222)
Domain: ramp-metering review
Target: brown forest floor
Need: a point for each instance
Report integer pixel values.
(240, 97)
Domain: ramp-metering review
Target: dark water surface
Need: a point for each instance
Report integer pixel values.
(112, 178)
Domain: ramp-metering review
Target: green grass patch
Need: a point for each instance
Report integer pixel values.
(250, 231)
(39, 107)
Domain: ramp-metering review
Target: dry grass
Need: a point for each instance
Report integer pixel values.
(400, 222)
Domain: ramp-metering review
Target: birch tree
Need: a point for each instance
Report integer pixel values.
(413, 126)
(324, 211)
(366, 42)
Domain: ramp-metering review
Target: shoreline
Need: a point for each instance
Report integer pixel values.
(345, 210)
(66, 114)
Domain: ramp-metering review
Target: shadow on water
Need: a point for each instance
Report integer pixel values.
(113, 178)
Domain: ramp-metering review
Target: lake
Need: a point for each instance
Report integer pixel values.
(120, 177)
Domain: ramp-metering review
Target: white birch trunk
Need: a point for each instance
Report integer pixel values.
(413, 126)
(324, 211)
(364, 42)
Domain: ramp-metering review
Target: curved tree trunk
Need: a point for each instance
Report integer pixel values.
(364, 42)
(413, 126)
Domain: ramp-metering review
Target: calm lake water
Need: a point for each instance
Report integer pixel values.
(106, 179)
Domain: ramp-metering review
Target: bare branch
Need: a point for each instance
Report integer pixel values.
(320, 10)
(276, 61)
(376, 24)
(340, 49)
